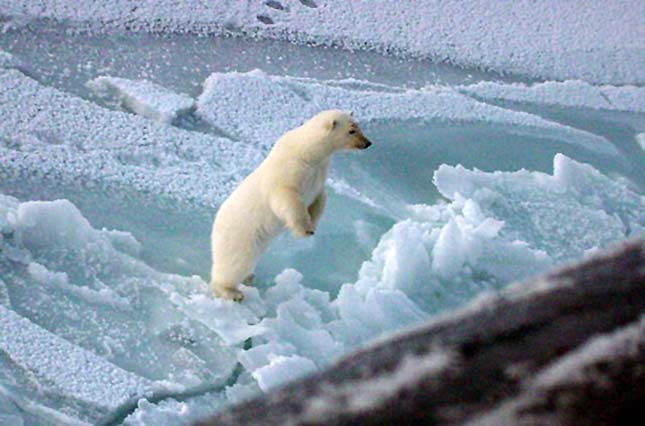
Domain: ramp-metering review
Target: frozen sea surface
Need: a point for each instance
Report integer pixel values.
(474, 180)
(600, 41)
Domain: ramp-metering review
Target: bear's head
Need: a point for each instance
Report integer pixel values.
(334, 130)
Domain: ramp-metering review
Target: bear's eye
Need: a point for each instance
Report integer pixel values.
(351, 132)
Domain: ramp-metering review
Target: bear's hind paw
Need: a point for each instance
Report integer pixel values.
(229, 294)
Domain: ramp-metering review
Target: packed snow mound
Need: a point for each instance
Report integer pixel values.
(240, 104)
(46, 132)
(575, 210)
(573, 93)
(594, 40)
(143, 97)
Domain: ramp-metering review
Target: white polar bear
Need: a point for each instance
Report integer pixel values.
(286, 190)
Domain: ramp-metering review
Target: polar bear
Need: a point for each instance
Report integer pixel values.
(286, 190)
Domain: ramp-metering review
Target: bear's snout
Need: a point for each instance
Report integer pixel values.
(365, 143)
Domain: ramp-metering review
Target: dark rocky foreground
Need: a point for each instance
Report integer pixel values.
(567, 348)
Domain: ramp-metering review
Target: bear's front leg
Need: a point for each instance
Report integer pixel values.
(287, 205)
(317, 207)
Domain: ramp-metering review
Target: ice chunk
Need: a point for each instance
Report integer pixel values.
(171, 412)
(282, 369)
(565, 214)
(289, 101)
(52, 223)
(261, 355)
(234, 323)
(241, 103)
(143, 97)
(640, 138)
(64, 368)
(42, 275)
(572, 93)
(288, 286)
(84, 143)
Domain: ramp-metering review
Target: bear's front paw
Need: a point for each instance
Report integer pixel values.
(229, 294)
(303, 232)
(304, 229)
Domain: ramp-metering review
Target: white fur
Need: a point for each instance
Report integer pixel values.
(286, 190)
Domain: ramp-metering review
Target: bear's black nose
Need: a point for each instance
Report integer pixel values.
(367, 144)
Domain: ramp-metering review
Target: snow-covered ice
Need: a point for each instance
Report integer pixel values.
(67, 370)
(598, 41)
(291, 99)
(82, 141)
(143, 97)
(106, 202)
(573, 93)
(7, 60)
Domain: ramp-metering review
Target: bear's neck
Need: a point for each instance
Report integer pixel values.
(313, 154)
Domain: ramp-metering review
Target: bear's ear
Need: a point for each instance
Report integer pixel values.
(351, 113)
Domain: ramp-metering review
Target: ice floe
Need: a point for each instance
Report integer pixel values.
(143, 97)
(573, 93)
(46, 132)
(239, 103)
(593, 40)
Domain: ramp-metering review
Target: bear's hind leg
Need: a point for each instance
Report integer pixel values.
(227, 291)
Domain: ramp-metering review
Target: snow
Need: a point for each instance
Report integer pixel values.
(230, 103)
(363, 394)
(572, 93)
(281, 370)
(143, 97)
(598, 41)
(7, 60)
(65, 369)
(534, 204)
(572, 369)
(85, 142)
